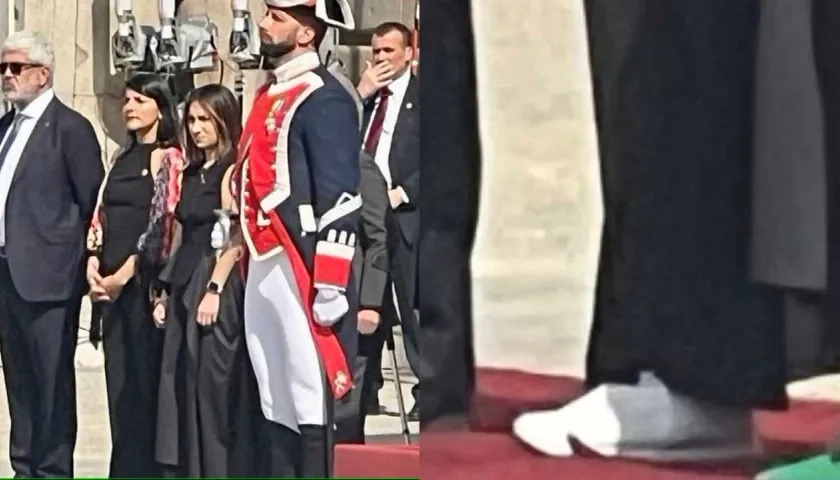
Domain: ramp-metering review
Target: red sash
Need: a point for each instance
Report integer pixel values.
(256, 144)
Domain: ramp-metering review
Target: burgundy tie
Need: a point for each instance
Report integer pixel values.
(378, 122)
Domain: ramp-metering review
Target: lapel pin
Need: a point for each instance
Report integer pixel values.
(409, 105)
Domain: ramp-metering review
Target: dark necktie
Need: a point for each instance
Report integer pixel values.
(13, 131)
(378, 122)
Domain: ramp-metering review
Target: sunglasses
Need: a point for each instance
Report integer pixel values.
(16, 67)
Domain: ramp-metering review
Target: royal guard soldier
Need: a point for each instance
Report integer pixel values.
(297, 175)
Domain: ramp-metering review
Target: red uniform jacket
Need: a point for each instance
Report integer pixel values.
(298, 175)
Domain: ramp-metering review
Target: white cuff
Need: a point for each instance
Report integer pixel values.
(403, 195)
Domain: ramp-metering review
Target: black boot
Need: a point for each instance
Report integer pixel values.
(414, 413)
(281, 451)
(173, 471)
(316, 450)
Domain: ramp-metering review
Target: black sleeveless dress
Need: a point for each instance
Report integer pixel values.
(205, 408)
(130, 340)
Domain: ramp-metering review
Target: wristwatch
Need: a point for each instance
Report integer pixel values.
(214, 288)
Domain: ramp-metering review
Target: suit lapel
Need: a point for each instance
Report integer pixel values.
(5, 123)
(404, 127)
(411, 93)
(36, 139)
(367, 113)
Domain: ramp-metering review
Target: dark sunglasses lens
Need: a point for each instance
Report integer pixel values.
(14, 67)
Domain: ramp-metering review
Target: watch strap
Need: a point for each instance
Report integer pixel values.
(213, 287)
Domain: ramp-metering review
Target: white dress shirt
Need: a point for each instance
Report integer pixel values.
(28, 118)
(383, 150)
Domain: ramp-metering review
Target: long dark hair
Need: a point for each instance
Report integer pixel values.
(156, 87)
(218, 101)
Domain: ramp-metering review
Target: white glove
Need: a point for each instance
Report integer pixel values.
(221, 230)
(330, 305)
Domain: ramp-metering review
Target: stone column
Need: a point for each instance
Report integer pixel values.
(540, 216)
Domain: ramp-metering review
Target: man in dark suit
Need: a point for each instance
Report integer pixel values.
(50, 171)
(391, 135)
(451, 159)
(370, 266)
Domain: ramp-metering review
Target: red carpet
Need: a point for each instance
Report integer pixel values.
(372, 461)
(490, 452)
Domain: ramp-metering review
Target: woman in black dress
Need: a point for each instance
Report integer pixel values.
(204, 427)
(131, 235)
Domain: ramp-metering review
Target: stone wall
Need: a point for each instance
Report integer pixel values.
(541, 203)
(540, 219)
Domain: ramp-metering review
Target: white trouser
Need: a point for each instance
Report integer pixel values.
(281, 346)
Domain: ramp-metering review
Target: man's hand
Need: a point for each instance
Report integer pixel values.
(368, 321)
(375, 78)
(395, 196)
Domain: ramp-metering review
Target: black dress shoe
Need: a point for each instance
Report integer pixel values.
(414, 413)
(445, 424)
(374, 408)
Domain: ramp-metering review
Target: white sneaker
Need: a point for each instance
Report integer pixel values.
(644, 421)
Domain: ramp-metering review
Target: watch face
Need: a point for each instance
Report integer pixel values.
(213, 287)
